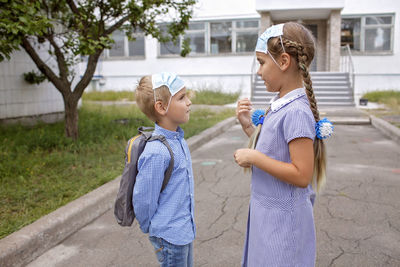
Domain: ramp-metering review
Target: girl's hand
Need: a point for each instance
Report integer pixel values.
(243, 114)
(243, 157)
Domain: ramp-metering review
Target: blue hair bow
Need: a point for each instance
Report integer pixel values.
(258, 117)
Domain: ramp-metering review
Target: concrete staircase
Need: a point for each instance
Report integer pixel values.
(330, 89)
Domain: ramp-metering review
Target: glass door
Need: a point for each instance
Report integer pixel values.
(314, 29)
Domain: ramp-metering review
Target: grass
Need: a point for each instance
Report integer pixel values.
(109, 96)
(389, 98)
(41, 170)
(201, 96)
(391, 101)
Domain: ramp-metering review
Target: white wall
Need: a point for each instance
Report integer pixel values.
(19, 98)
(305, 4)
(225, 8)
(228, 73)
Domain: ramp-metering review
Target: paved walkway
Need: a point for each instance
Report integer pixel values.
(357, 215)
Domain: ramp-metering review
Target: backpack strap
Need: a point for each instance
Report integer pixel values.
(147, 132)
(129, 150)
(168, 172)
(144, 129)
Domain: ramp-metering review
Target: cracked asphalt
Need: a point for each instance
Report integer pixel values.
(357, 214)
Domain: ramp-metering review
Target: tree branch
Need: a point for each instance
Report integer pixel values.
(88, 75)
(76, 11)
(62, 65)
(58, 83)
(73, 7)
(116, 25)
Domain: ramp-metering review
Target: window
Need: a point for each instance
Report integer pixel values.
(169, 48)
(123, 47)
(217, 37)
(196, 33)
(370, 34)
(246, 36)
(221, 37)
(136, 48)
(118, 48)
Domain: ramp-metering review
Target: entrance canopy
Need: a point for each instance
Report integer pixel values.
(321, 17)
(293, 10)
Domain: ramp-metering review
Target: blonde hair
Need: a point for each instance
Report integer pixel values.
(145, 97)
(300, 45)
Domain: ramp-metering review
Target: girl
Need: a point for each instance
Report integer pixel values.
(283, 152)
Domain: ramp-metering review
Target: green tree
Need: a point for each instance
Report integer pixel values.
(69, 29)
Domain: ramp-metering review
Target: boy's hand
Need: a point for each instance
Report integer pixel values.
(243, 109)
(243, 157)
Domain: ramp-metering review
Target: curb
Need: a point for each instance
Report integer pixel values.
(386, 128)
(350, 120)
(23, 246)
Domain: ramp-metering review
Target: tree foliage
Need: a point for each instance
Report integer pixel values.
(68, 29)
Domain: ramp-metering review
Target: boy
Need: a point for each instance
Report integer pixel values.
(168, 217)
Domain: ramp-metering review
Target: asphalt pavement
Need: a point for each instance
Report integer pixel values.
(357, 215)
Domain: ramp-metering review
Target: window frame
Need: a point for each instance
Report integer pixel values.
(204, 30)
(126, 55)
(364, 27)
(232, 37)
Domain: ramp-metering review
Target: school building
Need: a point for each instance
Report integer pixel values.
(358, 49)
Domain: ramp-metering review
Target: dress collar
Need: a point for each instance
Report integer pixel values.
(277, 103)
(167, 133)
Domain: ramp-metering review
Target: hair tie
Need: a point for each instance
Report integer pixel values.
(323, 128)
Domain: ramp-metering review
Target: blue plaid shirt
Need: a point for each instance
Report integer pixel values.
(169, 215)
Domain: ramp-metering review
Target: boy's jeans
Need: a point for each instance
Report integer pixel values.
(170, 255)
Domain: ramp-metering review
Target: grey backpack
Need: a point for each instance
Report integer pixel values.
(123, 208)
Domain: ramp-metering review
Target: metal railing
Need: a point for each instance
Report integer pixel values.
(346, 63)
